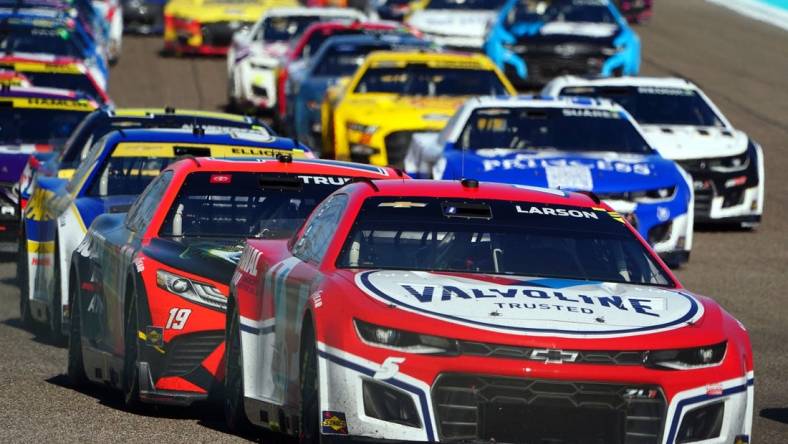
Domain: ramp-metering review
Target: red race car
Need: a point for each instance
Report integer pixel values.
(150, 287)
(464, 312)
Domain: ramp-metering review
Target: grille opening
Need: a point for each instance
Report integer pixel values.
(529, 411)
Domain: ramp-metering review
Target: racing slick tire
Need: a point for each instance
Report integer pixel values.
(309, 383)
(234, 413)
(76, 366)
(131, 380)
(24, 284)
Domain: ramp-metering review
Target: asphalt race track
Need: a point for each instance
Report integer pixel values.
(742, 64)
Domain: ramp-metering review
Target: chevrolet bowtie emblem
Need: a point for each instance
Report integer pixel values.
(552, 356)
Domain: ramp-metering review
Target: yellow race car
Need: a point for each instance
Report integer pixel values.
(207, 26)
(395, 95)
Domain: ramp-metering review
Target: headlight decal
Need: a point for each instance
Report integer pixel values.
(198, 292)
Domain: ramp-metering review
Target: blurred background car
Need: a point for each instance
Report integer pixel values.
(206, 27)
(684, 125)
(460, 24)
(534, 41)
(255, 55)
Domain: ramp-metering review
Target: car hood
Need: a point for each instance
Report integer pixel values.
(534, 306)
(565, 32)
(452, 22)
(429, 112)
(213, 258)
(598, 172)
(682, 142)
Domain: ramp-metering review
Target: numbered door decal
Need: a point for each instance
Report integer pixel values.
(178, 318)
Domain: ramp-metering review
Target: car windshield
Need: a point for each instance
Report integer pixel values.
(582, 11)
(37, 125)
(59, 42)
(343, 59)
(125, 174)
(74, 82)
(244, 205)
(557, 129)
(656, 105)
(498, 238)
(491, 5)
(316, 39)
(422, 80)
(283, 29)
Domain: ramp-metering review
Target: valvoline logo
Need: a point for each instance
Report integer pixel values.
(534, 306)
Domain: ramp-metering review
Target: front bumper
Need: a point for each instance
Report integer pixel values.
(727, 197)
(257, 87)
(505, 401)
(180, 362)
(211, 39)
(543, 68)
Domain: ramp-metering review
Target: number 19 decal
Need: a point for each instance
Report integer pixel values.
(178, 318)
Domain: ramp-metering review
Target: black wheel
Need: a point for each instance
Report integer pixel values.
(310, 401)
(234, 413)
(56, 314)
(131, 380)
(24, 283)
(76, 366)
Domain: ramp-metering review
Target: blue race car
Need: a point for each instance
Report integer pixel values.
(116, 169)
(337, 57)
(534, 41)
(578, 144)
(59, 37)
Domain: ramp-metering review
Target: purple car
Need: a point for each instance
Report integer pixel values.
(33, 121)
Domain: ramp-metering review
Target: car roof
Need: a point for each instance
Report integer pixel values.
(524, 101)
(429, 56)
(349, 24)
(361, 39)
(180, 112)
(658, 82)
(313, 11)
(455, 189)
(299, 166)
(207, 136)
(40, 93)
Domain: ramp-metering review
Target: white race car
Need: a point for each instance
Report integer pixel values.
(682, 123)
(458, 24)
(113, 15)
(254, 57)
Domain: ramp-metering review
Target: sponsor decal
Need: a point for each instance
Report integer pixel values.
(249, 260)
(561, 212)
(317, 298)
(534, 305)
(665, 91)
(334, 423)
(154, 336)
(523, 161)
(714, 389)
(640, 393)
(590, 112)
(324, 180)
(663, 213)
(573, 177)
(139, 264)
